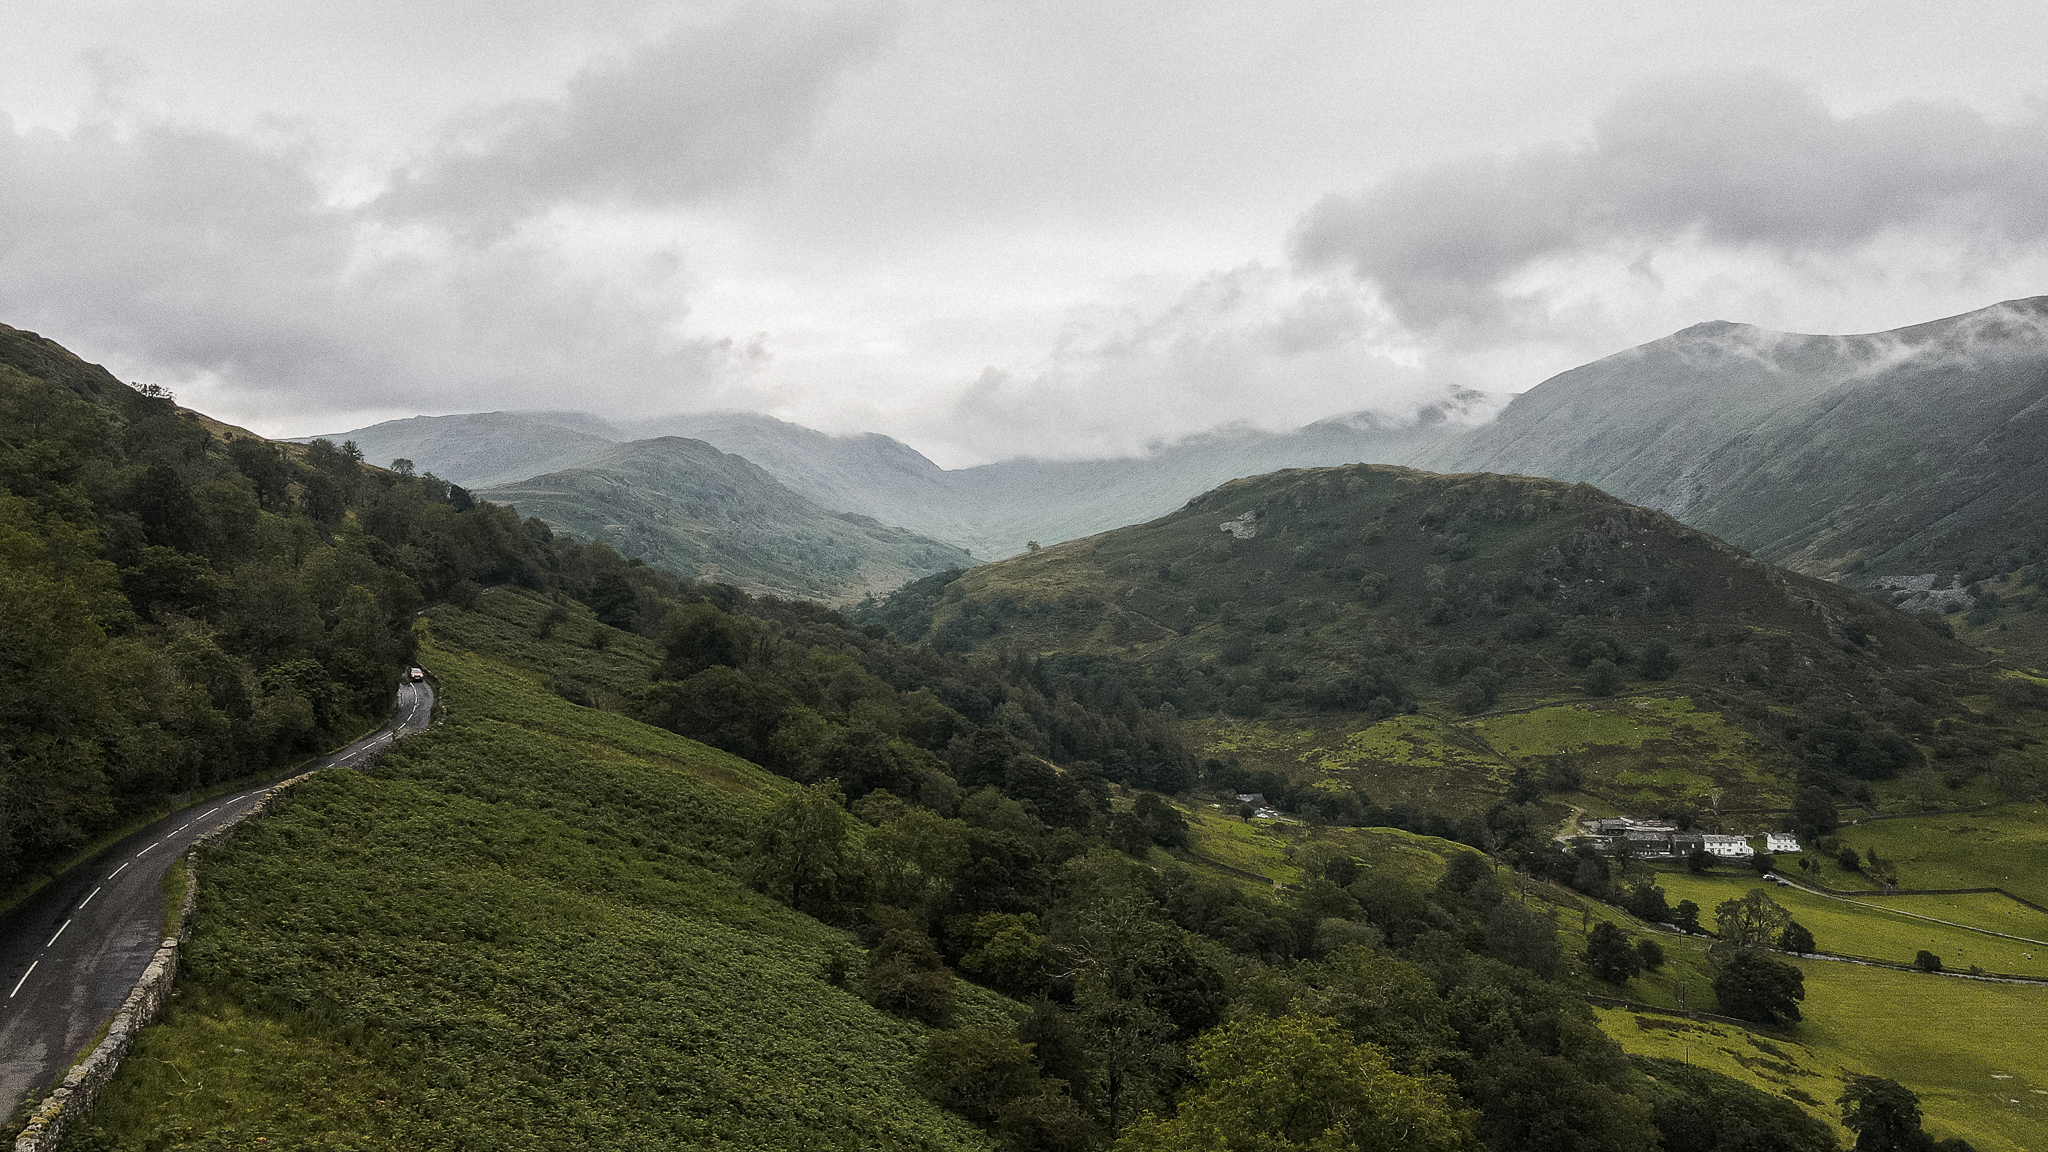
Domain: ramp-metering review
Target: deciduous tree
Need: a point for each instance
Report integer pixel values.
(1300, 1082)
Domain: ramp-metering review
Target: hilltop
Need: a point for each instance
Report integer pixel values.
(1920, 450)
(991, 509)
(1886, 454)
(1349, 617)
(684, 506)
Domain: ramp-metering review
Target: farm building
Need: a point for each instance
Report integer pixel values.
(1727, 847)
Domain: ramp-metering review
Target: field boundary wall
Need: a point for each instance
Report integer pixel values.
(73, 1098)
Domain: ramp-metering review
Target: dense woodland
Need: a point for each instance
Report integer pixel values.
(184, 605)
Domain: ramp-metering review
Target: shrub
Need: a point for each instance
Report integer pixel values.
(976, 1072)
(1927, 961)
(907, 976)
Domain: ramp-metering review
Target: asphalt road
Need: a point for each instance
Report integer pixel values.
(70, 954)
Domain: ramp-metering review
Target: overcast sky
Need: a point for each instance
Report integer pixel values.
(989, 228)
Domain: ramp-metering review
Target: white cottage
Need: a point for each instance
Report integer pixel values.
(1776, 842)
(1727, 847)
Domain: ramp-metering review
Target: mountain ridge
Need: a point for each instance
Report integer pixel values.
(683, 505)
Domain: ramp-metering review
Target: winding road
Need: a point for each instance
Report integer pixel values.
(70, 953)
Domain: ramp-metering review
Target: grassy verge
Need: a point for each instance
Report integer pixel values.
(29, 886)
(523, 931)
(174, 883)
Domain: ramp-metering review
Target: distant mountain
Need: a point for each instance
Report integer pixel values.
(868, 473)
(1922, 450)
(991, 510)
(1325, 571)
(1919, 450)
(480, 449)
(683, 505)
(1016, 501)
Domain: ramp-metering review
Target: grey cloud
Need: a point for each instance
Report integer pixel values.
(1743, 162)
(1251, 346)
(206, 256)
(701, 111)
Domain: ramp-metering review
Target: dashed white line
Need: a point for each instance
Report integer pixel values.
(204, 815)
(118, 871)
(58, 932)
(181, 830)
(88, 899)
(139, 855)
(23, 980)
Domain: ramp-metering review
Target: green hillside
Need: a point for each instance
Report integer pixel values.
(1437, 642)
(1915, 451)
(183, 604)
(529, 929)
(684, 506)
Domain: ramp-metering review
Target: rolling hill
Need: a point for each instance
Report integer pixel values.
(1346, 619)
(482, 449)
(684, 506)
(989, 510)
(1888, 454)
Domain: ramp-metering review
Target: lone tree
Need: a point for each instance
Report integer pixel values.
(802, 857)
(1884, 1114)
(1927, 961)
(1699, 861)
(1609, 956)
(1686, 916)
(1755, 987)
(1795, 938)
(1753, 920)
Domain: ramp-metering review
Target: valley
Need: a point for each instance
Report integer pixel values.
(981, 844)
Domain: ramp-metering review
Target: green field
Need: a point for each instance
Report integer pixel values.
(1969, 1048)
(1988, 910)
(1258, 847)
(523, 931)
(2005, 847)
(1860, 929)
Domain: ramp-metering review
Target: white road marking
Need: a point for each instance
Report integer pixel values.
(23, 980)
(59, 932)
(204, 815)
(139, 855)
(87, 900)
(118, 871)
(181, 830)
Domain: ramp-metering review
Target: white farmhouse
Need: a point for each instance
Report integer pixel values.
(1727, 847)
(1776, 842)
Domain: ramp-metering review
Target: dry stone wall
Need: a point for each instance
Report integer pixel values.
(73, 1098)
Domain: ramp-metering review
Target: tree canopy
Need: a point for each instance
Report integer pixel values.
(1300, 1082)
